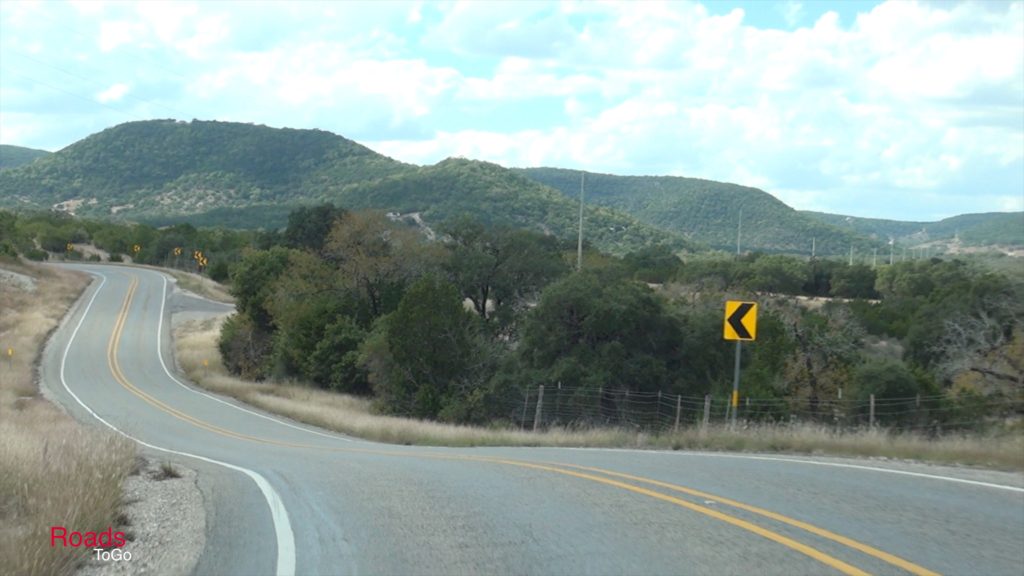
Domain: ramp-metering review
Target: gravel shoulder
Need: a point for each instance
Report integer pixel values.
(164, 520)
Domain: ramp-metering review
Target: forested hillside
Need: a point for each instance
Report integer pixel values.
(228, 174)
(1006, 228)
(706, 211)
(14, 156)
(166, 172)
(163, 168)
(497, 196)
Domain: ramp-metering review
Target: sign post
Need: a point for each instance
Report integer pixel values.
(740, 324)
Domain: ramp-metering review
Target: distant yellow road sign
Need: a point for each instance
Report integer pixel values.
(177, 251)
(740, 320)
(10, 352)
(70, 246)
(136, 248)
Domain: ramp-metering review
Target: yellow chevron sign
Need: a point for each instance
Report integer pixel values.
(740, 320)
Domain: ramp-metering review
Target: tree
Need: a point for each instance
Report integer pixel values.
(494, 267)
(857, 281)
(427, 358)
(655, 264)
(305, 300)
(825, 344)
(334, 362)
(309, 226)
(777, 275)
(377, 257)
(590, 331)
(252, 283)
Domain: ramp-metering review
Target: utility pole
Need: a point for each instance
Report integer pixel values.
(874, 259)
(891, 249)
(579, 244)
(851, 253)
(814, 246)
(739, 232)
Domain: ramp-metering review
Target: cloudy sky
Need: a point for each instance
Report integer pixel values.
(904, 110)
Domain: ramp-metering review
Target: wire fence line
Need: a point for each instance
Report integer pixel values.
(558, 406)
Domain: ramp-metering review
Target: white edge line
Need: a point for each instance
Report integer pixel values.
(160, 355)
(278, 513)
(802, 461)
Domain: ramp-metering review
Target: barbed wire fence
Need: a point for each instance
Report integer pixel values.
(549, 406)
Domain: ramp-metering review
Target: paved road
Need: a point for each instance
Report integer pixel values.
(284, 498)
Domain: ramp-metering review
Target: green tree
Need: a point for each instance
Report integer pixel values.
(377, 257)
(252, 283)
(428, 359)
(497, 267)
(655, 264)
(309, 226)
(857, 281)
(590, 331)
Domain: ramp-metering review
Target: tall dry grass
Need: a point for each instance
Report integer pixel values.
(196, 342)
(53, 470)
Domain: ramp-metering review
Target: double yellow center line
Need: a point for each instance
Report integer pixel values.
(598, 475)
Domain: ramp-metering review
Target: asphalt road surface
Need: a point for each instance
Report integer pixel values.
(283, 498)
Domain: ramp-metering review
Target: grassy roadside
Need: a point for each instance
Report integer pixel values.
(56, 472)
(199, 285)
(196, 349)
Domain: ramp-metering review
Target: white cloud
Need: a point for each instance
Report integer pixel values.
(114, 93)
(909, 98)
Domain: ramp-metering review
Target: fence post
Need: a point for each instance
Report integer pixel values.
(526, 402)
(871, 412)
(540, 402)
(558, 401)
(707, 413)
(679, 407)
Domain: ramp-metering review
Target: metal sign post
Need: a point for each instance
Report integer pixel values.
(740, 324)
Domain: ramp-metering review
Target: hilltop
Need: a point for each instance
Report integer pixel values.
(14, 156)
(211, 173)
(706, 211)
(165, 168)
(495, 195)
(249, 176)
(987, 229)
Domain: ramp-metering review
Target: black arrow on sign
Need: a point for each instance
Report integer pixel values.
(736, 320)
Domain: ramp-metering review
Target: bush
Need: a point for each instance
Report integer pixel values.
(218, 271)
(244, 348)
(37, 254)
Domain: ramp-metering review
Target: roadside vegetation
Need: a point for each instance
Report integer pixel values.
(400, 339)
(195, 347)
(459, 327)
(55, 471)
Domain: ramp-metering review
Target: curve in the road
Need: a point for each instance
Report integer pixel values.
(284, 530)
(282, 524)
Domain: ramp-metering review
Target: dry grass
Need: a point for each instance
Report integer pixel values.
(56, 472)
(200, 285)
(197, 341)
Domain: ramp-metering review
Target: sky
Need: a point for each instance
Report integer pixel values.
(901, 109)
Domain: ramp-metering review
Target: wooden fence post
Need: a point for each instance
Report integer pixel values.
(540, 402)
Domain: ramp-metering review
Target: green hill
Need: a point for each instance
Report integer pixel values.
(166, 168)
(14, 156)
(707, 211)
(243, 175)
(992, 228)
(499, 196)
